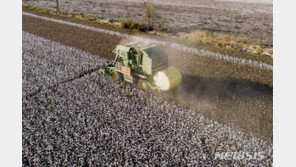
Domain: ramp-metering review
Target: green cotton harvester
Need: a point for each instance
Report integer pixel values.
(143, 64)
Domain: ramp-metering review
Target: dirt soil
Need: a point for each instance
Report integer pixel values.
(235, 95)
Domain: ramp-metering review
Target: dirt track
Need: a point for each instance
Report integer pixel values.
(236, 95)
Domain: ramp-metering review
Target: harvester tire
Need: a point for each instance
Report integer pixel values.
(115, 75)
(143, 84)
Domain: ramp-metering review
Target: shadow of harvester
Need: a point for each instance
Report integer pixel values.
(205, 87)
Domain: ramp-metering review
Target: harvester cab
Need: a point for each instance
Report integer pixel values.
(143, 64)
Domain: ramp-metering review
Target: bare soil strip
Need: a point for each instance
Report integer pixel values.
(161, 37)
(199, 52)
(236, 95)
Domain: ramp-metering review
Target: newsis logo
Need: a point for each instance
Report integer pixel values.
(240, 155)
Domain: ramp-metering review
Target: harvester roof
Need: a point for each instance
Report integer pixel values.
(155, 51)
(138, 45)
(150, 49)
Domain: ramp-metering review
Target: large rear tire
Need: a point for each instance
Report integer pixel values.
(115, 75)
(143, 84)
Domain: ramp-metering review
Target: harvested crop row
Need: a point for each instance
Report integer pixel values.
(94, 120)
(199, 52)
